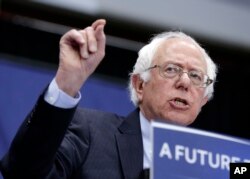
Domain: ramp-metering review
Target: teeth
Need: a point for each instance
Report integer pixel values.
(179, 102)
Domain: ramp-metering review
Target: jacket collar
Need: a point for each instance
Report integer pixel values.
(130, 147)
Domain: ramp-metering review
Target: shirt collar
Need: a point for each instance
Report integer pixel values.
(145, 126)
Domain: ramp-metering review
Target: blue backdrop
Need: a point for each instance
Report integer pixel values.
(21, 84)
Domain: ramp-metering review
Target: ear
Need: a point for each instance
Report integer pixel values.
(137, 83)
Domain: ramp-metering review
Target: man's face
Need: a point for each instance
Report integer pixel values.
(176, 100)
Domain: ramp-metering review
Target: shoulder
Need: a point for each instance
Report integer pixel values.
(96, 114)
(96, 118)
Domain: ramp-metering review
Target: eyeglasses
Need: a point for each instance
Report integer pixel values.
(170, 70)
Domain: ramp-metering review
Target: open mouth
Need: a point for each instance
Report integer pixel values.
(179, 103)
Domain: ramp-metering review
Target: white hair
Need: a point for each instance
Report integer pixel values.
(145, 58)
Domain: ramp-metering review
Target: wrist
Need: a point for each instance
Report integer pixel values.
(68, 88)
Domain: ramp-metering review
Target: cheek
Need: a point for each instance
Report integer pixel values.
(155, 94)
(195, 111)
(159, 93)
(196, 107)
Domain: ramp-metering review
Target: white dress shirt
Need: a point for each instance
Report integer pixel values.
(146, 139)
(56, 97)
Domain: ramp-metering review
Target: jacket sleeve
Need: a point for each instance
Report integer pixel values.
(34, 150)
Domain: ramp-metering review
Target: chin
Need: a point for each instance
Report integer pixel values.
(180, 121)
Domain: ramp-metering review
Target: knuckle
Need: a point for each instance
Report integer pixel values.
(89, 28)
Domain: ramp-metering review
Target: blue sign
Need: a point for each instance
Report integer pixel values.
(182, 152)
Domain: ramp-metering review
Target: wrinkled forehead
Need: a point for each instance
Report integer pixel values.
(180, 49)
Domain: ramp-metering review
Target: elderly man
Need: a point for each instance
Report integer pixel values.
(171, 80)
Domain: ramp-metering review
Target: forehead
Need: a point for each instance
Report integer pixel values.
(181, 51)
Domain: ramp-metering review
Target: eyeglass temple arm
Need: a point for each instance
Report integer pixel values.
(155, 66)
(209, 81)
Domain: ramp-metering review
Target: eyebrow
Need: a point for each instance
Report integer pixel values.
(196, 68)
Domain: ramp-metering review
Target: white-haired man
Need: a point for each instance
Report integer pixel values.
(172, 79)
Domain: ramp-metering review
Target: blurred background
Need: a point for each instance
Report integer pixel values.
(30, 32)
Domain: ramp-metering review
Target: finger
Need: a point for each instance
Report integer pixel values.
(97, 23)
(92, 43)
(84, 46)
(72, 36)
(100, 37)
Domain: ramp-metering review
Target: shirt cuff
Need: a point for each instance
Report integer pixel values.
(56, 97)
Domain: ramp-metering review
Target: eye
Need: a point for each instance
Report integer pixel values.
(172, 69)
(196, 76)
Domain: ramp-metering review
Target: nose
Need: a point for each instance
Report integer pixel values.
(183, 82)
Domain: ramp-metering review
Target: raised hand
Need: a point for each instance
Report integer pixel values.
(81, 51)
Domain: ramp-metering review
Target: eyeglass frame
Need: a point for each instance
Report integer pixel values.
(180, 73)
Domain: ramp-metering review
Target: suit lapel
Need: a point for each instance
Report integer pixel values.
(130, 146)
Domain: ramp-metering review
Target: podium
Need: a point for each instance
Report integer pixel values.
(187, 153)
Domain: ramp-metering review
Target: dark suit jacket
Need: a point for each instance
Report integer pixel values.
(75, 143)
